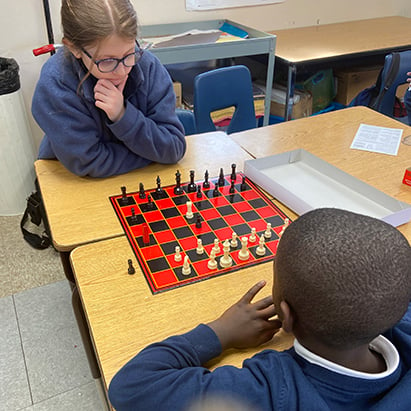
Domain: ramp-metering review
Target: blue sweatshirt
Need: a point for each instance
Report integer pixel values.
(169, 376)
(81, 136)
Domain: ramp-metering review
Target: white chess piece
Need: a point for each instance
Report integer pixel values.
(260, 250)
(216, 247)
(177, 255)
(189, 213)
(186, 266)
(226, 260)
(234, 241)
(244, 254)
(267, 233)
(212, 263)
(200, 248)
(252, 237)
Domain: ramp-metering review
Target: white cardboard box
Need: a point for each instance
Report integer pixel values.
(304, 182)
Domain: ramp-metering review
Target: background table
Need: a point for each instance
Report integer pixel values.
(361, 42)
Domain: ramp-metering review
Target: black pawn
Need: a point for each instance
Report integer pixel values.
(131, 269)
(206, 183)
(124, 193)
(142, 193)
(243, 184)
(221, 180)
(216, 193)
(192, 187)
(232, 188)
(233, 172)
(133, 215)
(150, 204)
(198, 221)
(199, 192)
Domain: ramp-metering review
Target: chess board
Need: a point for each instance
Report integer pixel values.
(228, 205)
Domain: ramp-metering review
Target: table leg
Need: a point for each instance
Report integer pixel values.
(292, 74)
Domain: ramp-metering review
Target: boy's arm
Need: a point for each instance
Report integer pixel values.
(169, 374)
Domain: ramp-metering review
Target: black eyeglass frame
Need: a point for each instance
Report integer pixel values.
(138, 52)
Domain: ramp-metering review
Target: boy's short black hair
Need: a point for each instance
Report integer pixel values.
(346, 276)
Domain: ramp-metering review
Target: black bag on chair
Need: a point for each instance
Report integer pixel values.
(35, 211)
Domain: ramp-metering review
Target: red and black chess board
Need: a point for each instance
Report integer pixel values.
(226, 206)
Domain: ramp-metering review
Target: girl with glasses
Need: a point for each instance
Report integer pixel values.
(106, 106)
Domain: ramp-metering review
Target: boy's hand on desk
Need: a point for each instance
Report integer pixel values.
(246, 324)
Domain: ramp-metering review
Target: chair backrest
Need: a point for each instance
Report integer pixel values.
(186, 118)
(386, 97)
(222, 88)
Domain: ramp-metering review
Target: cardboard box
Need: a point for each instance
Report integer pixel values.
(301, 108)
(351, 82)
(178, 93)
(303, 182)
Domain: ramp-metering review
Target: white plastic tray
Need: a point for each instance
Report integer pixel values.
(304, 182)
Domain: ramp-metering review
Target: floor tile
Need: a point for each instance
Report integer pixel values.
(44, 310)
(14, 387)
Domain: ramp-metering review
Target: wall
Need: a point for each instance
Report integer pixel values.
(23, 26)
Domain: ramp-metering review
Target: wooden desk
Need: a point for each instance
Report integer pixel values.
(78, 208)
(329, 136)
(350, 43)
(124, 316)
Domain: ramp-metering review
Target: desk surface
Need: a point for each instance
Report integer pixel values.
(122, 313)
(124, 316)
(79, 210)
(342, 39)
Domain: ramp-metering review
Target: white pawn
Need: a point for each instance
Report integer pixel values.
(189, 213)
(252, 237)
(267, 233)
(226, 260)
(200, 248)
(177, 255)
(212, 263)
(244, 254)
(234, 241)
(260, 250)
(186, 266)
(216, 247)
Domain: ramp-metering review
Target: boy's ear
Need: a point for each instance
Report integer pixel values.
(74, 50)
(288, 317)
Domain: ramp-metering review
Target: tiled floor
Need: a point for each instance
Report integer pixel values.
(43, 366)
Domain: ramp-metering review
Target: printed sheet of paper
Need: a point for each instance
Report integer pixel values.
(377, 139)
(192, 5)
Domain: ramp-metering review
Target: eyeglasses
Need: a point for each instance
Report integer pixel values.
(110, 64)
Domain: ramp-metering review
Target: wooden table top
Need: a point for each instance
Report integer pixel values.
(329, 136)
(79, 210)
(342, 39)
(124, 316)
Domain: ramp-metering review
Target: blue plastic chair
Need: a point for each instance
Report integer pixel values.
(386, 99)
(222, 88)
(186, 118)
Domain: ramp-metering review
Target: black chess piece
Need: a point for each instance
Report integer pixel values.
(216, 192)
(159, 190)
(178, 190)
(198, 221)
(191, 187)
(233, 172)
(131, 269)
(243, 185)
(232, 187)
(142, 193)
(221, 179)
(206, 183)
(199, 192)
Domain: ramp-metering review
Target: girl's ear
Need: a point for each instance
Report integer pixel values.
(287, 317)
(74, 50)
